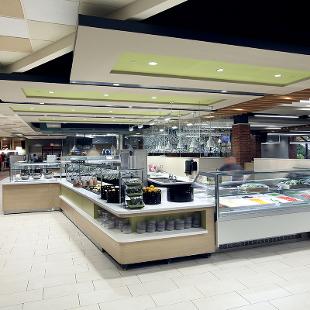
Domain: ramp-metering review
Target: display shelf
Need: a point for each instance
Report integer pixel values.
(120, 237)
(200, 203)
(32, 182)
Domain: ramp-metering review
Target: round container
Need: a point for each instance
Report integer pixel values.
(161, 225)
(126, 229)
(151, 226)
(179, 224)
(170, 225)
(141, 227)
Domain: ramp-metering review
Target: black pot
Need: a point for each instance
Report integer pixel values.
(180, 193)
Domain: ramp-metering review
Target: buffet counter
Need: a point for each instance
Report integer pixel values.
(89, 213)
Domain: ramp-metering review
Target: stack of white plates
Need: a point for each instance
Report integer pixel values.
(161, 225)
(141, 227)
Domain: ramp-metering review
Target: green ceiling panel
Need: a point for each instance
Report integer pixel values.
(118, 97)
(56, 109)
(169, 66)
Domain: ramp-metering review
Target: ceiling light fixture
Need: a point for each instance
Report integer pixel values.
(106, 95)
(130, 106)
(275, 116)
(238, 109)
(51, 92)
(110, 111)
(278, 75)
(140, 126)
(130, 128)
(223, 91)
(189, 124)
(167, 119)
(41, 103)
(154, 97)
(116, 84)
(161, 129)
(174, 127)
(153, 63)
(219, 70)
(152, 123)
(304, 109)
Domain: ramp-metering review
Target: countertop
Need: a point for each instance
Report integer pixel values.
(201, 201)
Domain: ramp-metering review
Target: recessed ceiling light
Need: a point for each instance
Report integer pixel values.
(154, 97)
(161, 129)
(116, 84)
(219, 70)
(276, 116)
(278, 75)
(130, 128)
(153, 63)
(238, 109)
(174, 127)
(223, 91)
(140, 126)
(106, 95)
(51, 92)
(189, 124)
(41, 103)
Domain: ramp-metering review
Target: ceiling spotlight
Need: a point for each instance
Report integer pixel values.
(106, 95)
(167, 119)
(219, 70)
(153, 63)
(189, 124)
(278, 75)
(51, 92)
(161, 129)
(238, 109)
(41, 103)
(154, 97)
(140, 126)
(223, 91)
(152, 123)
(130, 128)
(116, 84)
(174, 127)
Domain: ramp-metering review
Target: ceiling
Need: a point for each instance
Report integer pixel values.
(29, 26)
(125, 73)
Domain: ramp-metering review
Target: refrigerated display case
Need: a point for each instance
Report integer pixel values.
(22, 171)
(254, 206)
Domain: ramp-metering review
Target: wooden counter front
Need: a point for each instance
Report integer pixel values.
(17, 198)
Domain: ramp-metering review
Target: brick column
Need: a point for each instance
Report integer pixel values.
(242, 143)
(292, 148)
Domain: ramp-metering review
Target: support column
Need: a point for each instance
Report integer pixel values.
(242, 143)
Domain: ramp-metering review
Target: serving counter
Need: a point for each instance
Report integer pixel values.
(85, 209)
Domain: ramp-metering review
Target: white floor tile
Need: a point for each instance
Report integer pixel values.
(61, 303)
(132, 303)
(221, 302)
(186, 305)
(21, 297)
(104, 295)
(176, 296)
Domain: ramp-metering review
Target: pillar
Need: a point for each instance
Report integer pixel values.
(242, 143)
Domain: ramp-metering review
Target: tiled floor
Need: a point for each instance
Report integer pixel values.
(47, 263)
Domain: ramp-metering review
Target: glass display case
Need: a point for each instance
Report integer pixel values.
(27, 172)
(103, 175)
(257, 205)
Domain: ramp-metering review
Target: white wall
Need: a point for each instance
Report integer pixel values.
(176, 165)
(274, 164)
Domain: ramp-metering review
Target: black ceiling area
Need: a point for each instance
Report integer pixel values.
(262, 24)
